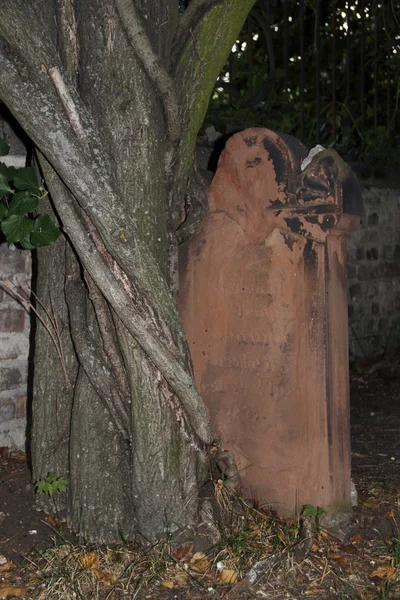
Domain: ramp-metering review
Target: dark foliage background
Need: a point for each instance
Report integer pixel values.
(326, 72)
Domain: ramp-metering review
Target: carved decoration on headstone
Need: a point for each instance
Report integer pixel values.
(263, 299)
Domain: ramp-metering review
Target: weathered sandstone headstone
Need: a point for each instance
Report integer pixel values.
(263, 299)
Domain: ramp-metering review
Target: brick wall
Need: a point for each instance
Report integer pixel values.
(374, 275)
(15, 268)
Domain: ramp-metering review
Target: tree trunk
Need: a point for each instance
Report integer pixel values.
(115, 95)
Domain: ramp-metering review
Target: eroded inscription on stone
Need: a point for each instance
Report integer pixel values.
(258, 286)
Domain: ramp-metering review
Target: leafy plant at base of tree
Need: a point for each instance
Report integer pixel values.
(51, 485)
(19, 198)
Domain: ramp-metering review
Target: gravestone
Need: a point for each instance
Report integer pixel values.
(263, 299)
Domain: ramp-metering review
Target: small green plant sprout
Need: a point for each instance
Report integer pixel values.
(315, 512)
(51, 485)
(309, 510)
(20, 194)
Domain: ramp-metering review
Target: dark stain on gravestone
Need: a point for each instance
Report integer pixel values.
(253, 163)
(289, 240)
(352, 197)
(309, 255)
(330, 171)
(327, 222)
(325, 208)
(295, 225)
(251, 140)
(276, 203)
(277, 158)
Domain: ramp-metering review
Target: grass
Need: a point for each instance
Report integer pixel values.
(243, 535)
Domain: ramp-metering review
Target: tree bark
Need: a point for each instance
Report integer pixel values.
(112, 93)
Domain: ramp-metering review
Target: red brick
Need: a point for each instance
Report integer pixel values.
(20, 407)
(12, 320)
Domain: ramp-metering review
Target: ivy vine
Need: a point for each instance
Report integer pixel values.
(20, 194)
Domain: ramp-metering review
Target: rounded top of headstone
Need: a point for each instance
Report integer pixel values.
(262, 163)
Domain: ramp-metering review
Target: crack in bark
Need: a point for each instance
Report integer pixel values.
(110, 343)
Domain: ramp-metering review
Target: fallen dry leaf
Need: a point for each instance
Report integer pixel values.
(349, 549)
(198, 556)
(168, 584)
(372, 503)
(355, 539)
(53, 522)
(383, 572)
(199, 562)
(339, 559)
(89, 560)
(200, 566)
(19, 459)
(104, 576)
(9, 591)
(183, 552)
(323, 533)
(181, 578)
(228, 576)
(8, 566)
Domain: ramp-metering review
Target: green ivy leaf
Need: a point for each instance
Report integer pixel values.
(26, 243)
(22, 203)
(26, 179)
(8, 172)
(309, 510)
(4, 187)
(44, 231)
(4, 148)
(16, 227)
(3, 210)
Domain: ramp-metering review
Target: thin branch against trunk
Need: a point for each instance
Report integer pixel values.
(109, 338)
(172, 370)
(68, 103)
(105, 320)
(153, 67)
(96, 370)
(188, 20)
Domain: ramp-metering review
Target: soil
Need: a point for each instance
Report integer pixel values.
(375, 419)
